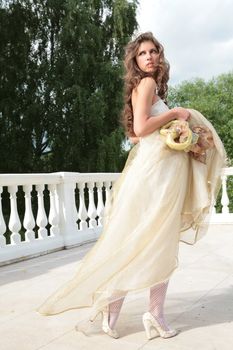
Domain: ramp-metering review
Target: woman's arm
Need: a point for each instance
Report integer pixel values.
(142, 101)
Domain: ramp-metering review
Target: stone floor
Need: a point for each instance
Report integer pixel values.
(199, 303)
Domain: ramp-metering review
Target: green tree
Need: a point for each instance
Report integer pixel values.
(26, 46)
(61, 83)
(213, 99)
(88, 86)
(15, 48)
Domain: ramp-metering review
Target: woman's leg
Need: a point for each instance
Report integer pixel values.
(157, 298)
(114, 310)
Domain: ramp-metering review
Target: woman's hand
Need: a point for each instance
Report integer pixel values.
(181, 113)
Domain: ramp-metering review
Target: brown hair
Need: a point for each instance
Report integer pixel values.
(133, 76)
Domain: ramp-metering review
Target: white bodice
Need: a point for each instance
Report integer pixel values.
(158, 107)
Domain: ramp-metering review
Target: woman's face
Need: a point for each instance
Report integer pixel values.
(147, 57)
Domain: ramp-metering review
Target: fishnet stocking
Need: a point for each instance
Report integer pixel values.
(114, 310)
(157, 298)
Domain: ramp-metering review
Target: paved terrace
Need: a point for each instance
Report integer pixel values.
(199, 302)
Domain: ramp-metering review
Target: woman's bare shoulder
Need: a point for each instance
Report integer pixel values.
(147, 82)
(146, 86)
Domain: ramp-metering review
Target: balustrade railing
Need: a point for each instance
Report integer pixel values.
(41, 213)
(225, 216)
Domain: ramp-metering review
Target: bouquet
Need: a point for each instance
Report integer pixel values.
(195, 140)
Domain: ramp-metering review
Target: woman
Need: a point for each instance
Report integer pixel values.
(154, 204)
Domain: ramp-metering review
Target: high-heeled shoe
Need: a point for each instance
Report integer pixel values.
(105, 326)
(148, 321)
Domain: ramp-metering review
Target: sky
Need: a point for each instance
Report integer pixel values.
(197, 35)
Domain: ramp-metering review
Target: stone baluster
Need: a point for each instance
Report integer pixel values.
(2, 223)
(100, 204)
(224, 199)
(107, 185)
(68, 215)
(29, 221)
(213, 209)
(82, 212)
(14, 222)
(76, 193)
(53, 213)
(91, 206)
(41, 219)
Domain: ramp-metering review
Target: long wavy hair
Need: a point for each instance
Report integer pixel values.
(133, 76)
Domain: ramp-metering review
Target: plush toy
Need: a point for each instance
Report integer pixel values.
(181, 137)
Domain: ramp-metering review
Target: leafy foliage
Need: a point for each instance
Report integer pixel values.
(61, 84)
(213, 99)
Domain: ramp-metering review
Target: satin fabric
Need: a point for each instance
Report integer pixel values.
(161, 198)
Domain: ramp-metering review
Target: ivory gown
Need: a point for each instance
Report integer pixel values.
(160, 194)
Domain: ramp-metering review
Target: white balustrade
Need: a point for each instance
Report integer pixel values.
(224, 199)
(213, 211)
(225, 217)
(53, 213)
(14, 222)
(100, 204)
(2, 223)
(91, 207)
(82, 212)
(68, 215)
(41, 219)
(107, 185)
(29, 221)
(70, 225)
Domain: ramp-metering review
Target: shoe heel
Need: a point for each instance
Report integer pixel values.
(147, 326)
(92, 318)
(163, 333)
(105, 326)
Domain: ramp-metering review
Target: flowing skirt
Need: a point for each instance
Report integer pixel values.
(161, 198)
